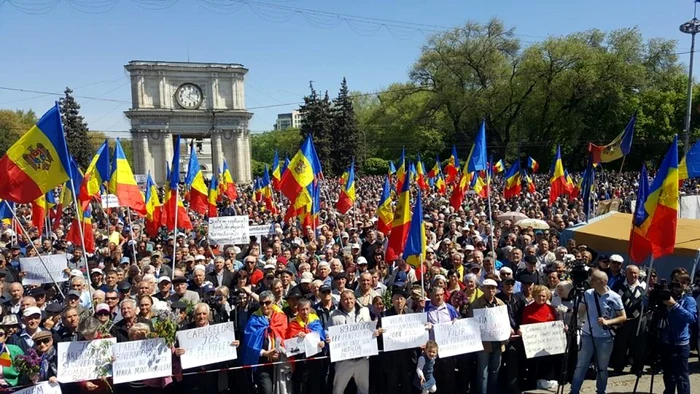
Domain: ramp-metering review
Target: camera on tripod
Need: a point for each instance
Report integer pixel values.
(659, 293)
(579, 275)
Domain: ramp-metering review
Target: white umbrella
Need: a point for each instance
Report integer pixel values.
(512, 216)
(536, 224)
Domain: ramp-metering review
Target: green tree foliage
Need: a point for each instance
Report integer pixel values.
(12, 125)
(318, 121)
(76, 130)
(257, 168)
(375, 166)
(286, 142)
(347, 140)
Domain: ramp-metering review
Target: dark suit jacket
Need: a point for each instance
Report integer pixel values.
(226, 281)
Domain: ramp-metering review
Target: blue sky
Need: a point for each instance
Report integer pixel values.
(68, 47)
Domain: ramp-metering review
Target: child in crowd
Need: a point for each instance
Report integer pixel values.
(426, 365)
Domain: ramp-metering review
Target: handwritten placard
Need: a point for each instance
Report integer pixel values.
(139, 360)
(110, 201)
(229, 230)
(261, 230)
(543, 339)
(494, 323)
(207, 345)
(85, 360)
(35, 273)
(458, 337)
(41, 388)
(404, 331)
(353, 340)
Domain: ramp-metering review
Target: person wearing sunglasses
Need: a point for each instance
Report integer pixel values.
(43, 344)
(10, 376)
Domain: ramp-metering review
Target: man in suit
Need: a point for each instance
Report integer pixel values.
(220, 276)
(160, 268)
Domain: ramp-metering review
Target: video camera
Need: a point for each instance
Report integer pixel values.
(659, 293)
(579, 275)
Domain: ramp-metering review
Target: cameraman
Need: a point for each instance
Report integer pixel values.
(674, 328)
(602, 308)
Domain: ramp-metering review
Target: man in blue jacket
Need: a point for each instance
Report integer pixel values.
(674, 328)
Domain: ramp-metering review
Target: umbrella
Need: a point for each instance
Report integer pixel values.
(536, 224)
(512, 216)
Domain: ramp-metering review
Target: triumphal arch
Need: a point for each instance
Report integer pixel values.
(202, 102)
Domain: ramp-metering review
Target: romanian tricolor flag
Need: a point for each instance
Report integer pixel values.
(402, 218)
(39, 213)
(618, 148)
(173, 203)
(37, 162)
(266, 192)
(276, 171)
(123, 184)
(440, 184)
(639, 246)
(530, 183)
(304, 168)
(213, 197)
(416, 243)
(385, 213)
(461, 188)
(689, 166)
(73, 235)
(559, 184)
(513, 182)
(532, 164)
(420, 175)
(97, 173)
(452, 167)
(196, 191)
(309, 214)
(656, 216)
(228, 188)
(480, 186)
(65, 199)
(401, 171)
(5, 357)
(285, 166)
(500, 166)
(433, 173)
(347, 194)
(153, 207)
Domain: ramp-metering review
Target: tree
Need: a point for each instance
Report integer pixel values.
(76, 130)
(347, 140)
(263, 145)
(318, 121)
(12, 125)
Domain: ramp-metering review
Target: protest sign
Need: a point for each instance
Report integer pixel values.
(494, 323)
(35, 273)
(294, 346)
(353, 340)
(229, 230)
(85, 360)
(139, 360)
(311, 341)
(262, 230)
(207, 345)
(41, 388)
(110, 201)
(404, 331)
(543, 339)
(458, 337)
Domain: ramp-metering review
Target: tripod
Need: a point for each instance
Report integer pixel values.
(649, 347)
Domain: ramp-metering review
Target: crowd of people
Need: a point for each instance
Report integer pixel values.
(303, 279)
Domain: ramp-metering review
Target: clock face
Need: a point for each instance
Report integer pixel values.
(189, 96)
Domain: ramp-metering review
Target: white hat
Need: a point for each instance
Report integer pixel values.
(199, 257)
(76, 273)
(164, 279)
(307, 277)
(32, 310)
(96, 271)
(469, 247)
(617, 258)
(200, 267)
(506, 270)
(269, 267)
(354, 246)
(490, 282)
(361, 260)
(438, 276)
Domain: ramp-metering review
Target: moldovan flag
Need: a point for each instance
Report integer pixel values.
(347, 194)
(532, 164)
(458, 191)
(65, 199)
(401, 171)
(123, 184)
(689, 166)
(37, 162)
(618, 148)
(228, 188)
(73, 235)
(420, 175)
(500, 166)
(402, 219)
(436, 169)
(479, 186)
(655, 219)
(513, 181)
(304, 168)
(153, 207)
(440, 184)
(195, 189)
(452, 167)
(213, 197)
(266, 192)
(559, 184)
(39, 213)
(385, 214)
(530, 183)
(172, 196)
(276, 172)
(414, 252)
(97, 173)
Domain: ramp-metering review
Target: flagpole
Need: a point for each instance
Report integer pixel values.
(335, 218)
(622, 164)
(78, 215)
(41, 259)
(177, 208)
(641, 314)
(131, 233)
(488, 197)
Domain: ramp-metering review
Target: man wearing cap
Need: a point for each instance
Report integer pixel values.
(615, 275)
(181, 293)
(31, 318)
(164, 288)
(488, 360)
(531, 269)
(73, 301)
(398, 366)
(157, 263)
(96, 277)
(220, 276)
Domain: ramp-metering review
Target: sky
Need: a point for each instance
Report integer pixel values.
(284, 43)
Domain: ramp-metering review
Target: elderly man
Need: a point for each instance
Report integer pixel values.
(439, 311)
(14, 304)
(489, 360)
(631, 291)
(365, 292)
(220, 276)
(181, 292)
(68, 332)
(31, 318)
(120, 330)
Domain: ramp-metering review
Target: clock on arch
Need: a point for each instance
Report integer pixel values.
(189, 96)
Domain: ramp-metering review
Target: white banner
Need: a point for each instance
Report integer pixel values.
(353, 340)
(494, 323)
(207, 345)
(262, 230)
(139, 360)
(80, 361)
(404, 331)
(41, 388)
(35, 273)
(229, 230)
(543, 339)
(458, 337)
(110, 201)
(308, 345)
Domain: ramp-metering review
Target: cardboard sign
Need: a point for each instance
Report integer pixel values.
(139, 360)
(404, 331)
(458, 337)
(353, 340)
(41, 388)
(229, 230)
(110, 201)
(494, 323)
(207, 345)
(35, 273)
(85, 360)
(543, 339)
